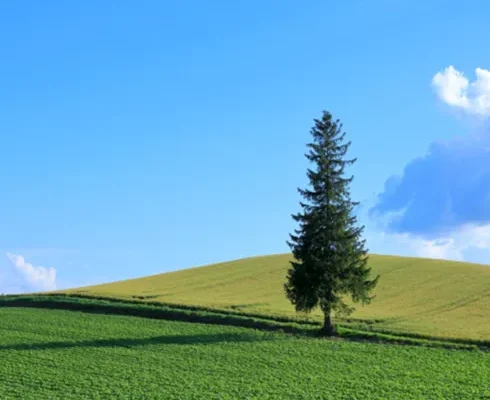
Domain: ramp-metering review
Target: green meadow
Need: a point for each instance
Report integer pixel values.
(433, 298)
(58, 354)
(226, 331)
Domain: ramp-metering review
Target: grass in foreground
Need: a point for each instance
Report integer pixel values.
(417, 296)
(69, 355)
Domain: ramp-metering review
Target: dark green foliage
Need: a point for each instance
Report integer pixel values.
(330, 254)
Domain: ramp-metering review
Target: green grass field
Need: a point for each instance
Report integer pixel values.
(55, 354)
(419, 296)
(50, 349)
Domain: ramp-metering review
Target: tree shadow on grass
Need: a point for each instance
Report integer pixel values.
(133, 342)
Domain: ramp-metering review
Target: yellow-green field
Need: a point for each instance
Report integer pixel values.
(420, 296)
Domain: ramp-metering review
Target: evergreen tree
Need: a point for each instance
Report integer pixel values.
(330, 259)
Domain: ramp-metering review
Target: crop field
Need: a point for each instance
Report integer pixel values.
(436, 298)
(55, 354)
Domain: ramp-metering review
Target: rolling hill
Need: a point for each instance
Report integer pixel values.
(435, 298)
(157, 337)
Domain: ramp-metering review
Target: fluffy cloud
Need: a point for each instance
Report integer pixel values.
(440, 192)
(28, 277)
(439, 207)
(454, 88)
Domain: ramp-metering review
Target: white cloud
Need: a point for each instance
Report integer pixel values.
(455, 89)
(454, 246)
(33, 277)
(439, 207)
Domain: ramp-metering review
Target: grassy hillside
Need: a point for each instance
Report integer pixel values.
(55, 354)
(429, 297)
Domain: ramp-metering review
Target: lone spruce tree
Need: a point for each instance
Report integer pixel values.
(330, 259)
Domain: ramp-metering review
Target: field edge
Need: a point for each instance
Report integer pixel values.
(194, 314)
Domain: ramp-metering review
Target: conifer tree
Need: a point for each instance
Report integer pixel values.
(330, 258)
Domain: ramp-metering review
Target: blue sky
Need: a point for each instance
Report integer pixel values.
(142, 137)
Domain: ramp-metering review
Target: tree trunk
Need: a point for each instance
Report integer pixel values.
(328, 329)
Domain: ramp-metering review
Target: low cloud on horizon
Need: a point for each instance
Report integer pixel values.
(440, 205)
(25, 277)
